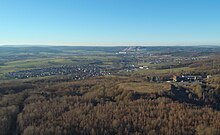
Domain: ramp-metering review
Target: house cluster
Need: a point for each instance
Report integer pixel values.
(181, 78)
(79, 72)
(143, 67)
(190, 78)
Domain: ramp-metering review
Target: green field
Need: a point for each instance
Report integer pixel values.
(163, 71)
(33, 63)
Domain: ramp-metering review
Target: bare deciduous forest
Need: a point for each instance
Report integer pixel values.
(120, 99)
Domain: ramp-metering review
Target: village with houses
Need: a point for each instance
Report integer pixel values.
(78, 72)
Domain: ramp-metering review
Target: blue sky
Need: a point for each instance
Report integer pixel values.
(110, 22)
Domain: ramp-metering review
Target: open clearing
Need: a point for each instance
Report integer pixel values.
(144, 87)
